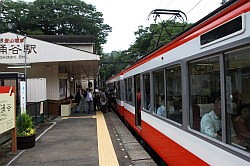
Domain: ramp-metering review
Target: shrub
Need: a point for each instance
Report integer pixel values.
(25, 125)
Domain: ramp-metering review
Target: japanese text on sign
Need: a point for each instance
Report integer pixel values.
(7, 104)
(14, 48)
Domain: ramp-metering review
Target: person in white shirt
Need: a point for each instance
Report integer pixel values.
(89, 99)
(211, 121)
(161, 109)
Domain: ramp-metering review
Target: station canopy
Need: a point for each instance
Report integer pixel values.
(75, 62)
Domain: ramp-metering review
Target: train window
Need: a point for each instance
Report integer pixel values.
(146, 91)
(128, 90)
(224, 30)
(237, 79)
(205, 89)
(118, 95)
(173, 94)
(159, 93)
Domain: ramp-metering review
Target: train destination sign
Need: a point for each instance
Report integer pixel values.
(7, 108)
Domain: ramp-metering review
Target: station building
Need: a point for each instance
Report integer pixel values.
(54, 65)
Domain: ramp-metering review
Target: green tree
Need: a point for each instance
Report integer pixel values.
(54, 17)
(223, 2)
(154, 36)
(112, 63)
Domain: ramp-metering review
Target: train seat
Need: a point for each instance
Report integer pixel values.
(198, 111)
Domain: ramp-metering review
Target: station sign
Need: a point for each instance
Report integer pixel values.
(63, 76)
(13, 48)
(7, 108)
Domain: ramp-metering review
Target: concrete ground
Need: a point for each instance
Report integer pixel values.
(73, 141)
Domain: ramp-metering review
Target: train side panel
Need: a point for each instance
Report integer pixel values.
(178, 147)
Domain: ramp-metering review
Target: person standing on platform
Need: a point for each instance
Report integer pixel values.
(103, 101)
(78, 98)
(89, 99)
(84, 101)
(96, 99)
(81, 101)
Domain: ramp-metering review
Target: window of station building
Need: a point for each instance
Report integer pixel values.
(174, 94)
(159, 93)
(146, 91)
(237, 84)
(204, 82)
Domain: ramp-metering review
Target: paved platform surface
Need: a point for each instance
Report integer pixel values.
(74, 141)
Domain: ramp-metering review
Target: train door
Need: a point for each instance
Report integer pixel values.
(137, 98)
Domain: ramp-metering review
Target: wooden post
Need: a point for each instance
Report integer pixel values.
(14, 141)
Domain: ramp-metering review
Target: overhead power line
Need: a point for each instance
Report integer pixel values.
(194, 6)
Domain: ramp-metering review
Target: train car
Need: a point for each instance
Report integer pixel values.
(114, 85)
(189, 99)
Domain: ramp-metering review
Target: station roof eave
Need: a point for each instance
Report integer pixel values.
(76, 62)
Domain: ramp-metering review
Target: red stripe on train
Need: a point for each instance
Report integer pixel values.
(171, 152)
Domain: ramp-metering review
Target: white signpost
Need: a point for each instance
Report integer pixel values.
(23, 96)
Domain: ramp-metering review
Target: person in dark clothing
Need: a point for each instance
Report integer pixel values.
(111, 100)
(96, 99)
(78, 96)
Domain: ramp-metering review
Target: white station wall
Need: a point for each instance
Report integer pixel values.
(36, 90)
(50, 72)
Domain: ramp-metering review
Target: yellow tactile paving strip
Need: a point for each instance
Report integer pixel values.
(107, 156)
(78, 117)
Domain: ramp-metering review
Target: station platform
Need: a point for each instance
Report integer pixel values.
(84, 139)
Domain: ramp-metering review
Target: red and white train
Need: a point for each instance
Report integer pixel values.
(164, 95)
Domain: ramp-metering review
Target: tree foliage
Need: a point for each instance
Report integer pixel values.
(154, 36)
(54, 17)
(223, 2)
(111, 63)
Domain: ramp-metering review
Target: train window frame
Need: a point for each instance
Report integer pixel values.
(192, 117)
(162, 108)
(243, 24)
(224, 142)
(236, 61)
(174, 105)
(125, 88)
(118, 90)
(144, 90)
(129, 94)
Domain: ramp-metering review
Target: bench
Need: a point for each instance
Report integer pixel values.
(66, 108)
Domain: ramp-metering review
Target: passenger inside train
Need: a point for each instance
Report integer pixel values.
(242, 126)
(177, 113)
(160, 108)
(211, 121)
